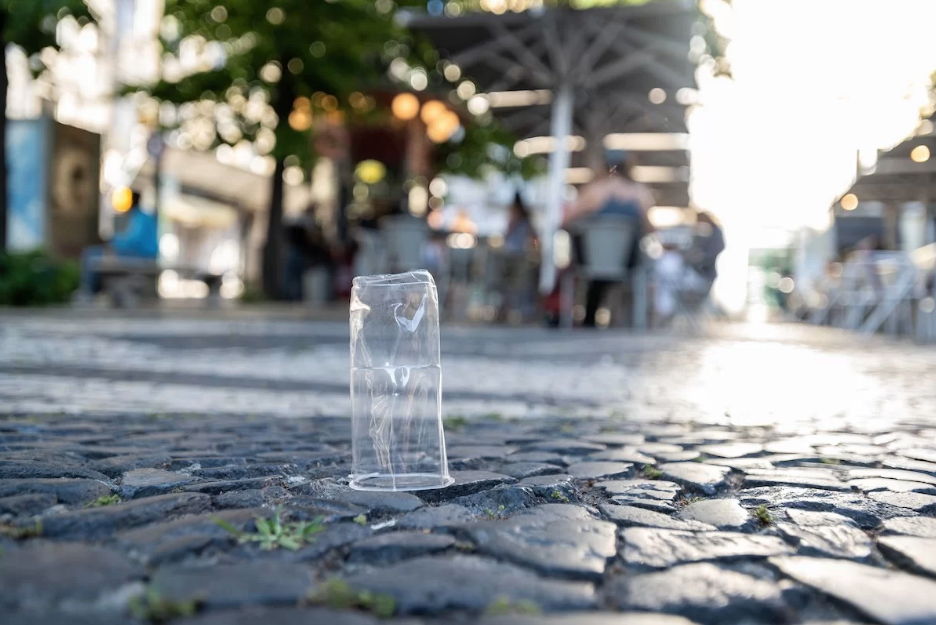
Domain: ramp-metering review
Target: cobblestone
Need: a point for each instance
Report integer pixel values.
(611, 473)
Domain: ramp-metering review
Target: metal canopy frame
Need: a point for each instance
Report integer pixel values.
(600, 64)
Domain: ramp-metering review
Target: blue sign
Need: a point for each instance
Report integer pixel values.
(26, 179)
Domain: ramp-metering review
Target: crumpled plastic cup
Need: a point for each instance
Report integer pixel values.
(396, 384)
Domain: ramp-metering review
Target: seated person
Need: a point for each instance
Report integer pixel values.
(615, 195)
(139, 239)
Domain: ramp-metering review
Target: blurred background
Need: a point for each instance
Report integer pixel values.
(635, 163)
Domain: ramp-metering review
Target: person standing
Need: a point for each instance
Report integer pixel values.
(517, 278)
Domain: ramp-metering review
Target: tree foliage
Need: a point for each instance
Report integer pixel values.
(322, 51)
(31, 24)
(484, 147)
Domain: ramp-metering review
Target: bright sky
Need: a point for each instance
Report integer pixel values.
(813, 82)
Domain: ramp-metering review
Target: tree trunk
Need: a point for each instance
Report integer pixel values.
(273, 248)
(3, 163)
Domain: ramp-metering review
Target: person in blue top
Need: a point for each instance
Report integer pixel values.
(138, 240)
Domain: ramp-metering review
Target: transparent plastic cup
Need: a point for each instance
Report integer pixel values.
(396, 384)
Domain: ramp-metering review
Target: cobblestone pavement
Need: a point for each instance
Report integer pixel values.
(772, 475)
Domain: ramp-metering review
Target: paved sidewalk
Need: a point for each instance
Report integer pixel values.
(759, 475)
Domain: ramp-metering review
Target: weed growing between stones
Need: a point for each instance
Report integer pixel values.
(502, 606)
(456, 423)
(338, 594)
(274, 533)
(152, 607)
(557, 495)
(651, 472)
(763, 515)
(104, 500)
(21, 532)
(361, 519)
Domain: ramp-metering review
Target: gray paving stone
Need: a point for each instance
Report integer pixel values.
(565, 446)
(372, 501)
(732, 450)
(924, 527)
(615, 440)
(554, 539)
(499, 502)
(44, 577)
(447, 515)
(704, 592)
(227, 486)
(547, 457)
(872, 484)
(659, 548)
(917, 555)
(741, 464)
(153, 537)
(282, 616)
(435, 584)
(116, 466)
(724, 514)
(67, 491)
(892, 474)
(918, 502)
(521, 470)
(789, 446)
(96, 523)
(656, 489)
(807, 478)
(466, 483)
(652, 449)
(235, 585)
(678, 456)
(26, 505)
(890, 597)
(599, 470)
(481, 452)
(623, 455)
(20, 470)
(825, 534)
(927, 454)
(866, 512)
(906, 464)
(393, 547)
(698, 476)
(631, 516)
(588, 618)
(149, 482)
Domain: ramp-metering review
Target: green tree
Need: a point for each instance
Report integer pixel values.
(31, 25)
(304, 57)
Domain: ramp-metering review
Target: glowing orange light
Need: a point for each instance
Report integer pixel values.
(431, 111)
(405, 106)
(122, 199)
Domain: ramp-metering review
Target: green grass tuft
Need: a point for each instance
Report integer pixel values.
(104, 500)
(21, 532)
(455, 422)
(503, 606)
(762, 514)
(274, 533)
(338, 595)
(152, 607)
(557, 495)
(651, 472)
(361, 520)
